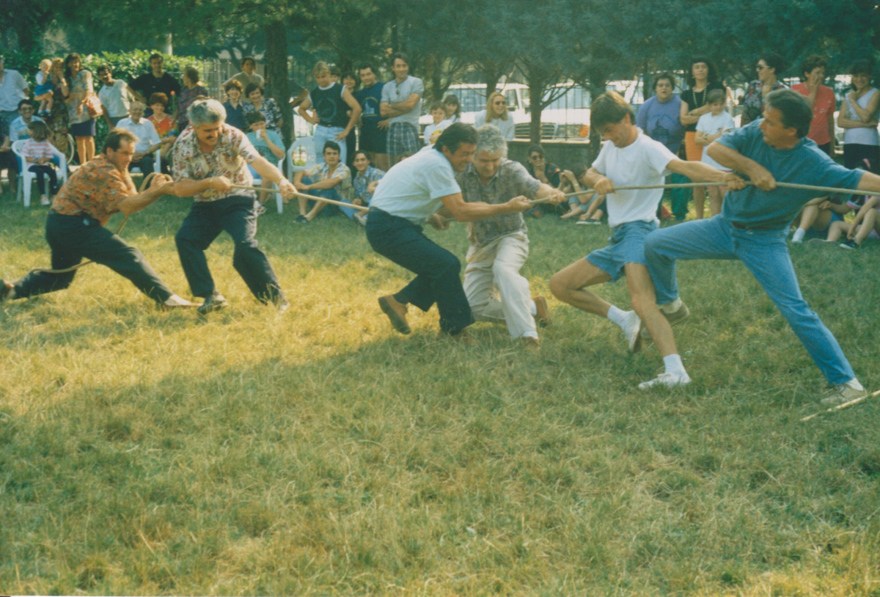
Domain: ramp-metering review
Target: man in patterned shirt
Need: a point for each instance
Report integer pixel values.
(210, 157)
(75, 226)
(499, 244)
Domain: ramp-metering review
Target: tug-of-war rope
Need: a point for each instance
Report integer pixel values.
(683, 185)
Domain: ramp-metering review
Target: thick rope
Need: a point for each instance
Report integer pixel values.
(298, 194)
(67, 270)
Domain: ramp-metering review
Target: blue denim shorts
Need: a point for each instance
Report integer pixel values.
(627, 246)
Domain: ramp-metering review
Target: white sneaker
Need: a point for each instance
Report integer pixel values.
(841, 394)
(666, 380)
(631, 330)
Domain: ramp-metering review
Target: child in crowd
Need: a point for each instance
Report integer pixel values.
(45, 89)
(268, 143)
(866, 224)
(709, 128)
(452, 107)
(577, 204)
(433, 130)
(38, 152)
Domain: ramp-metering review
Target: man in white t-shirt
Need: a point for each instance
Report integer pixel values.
(115, 96)
(410, 195)
(630, 158)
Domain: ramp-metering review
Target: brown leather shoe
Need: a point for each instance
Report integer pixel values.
(543, 316)
(396, 312)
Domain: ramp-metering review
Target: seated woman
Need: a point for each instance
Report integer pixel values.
(538, 167)
(330, 179)
(165, 126)
(268, 144)
(366, 180)
(266, 105)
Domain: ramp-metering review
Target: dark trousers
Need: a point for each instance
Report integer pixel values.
(73, 238)
(437, 270)
(206, 220)
(42, 172)
(146, 165)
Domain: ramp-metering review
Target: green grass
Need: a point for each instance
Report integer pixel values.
(320, 453)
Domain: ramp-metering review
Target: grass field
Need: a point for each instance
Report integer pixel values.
(318, 452)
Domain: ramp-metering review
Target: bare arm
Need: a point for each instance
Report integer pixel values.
(161, 185)
(356, 110)
(865, 114)
(730, 158)
(468, 212)
(303, 110)
(700, 172)
(868, 206)
(689, 117)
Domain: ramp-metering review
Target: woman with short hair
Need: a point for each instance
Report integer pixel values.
(191, 92)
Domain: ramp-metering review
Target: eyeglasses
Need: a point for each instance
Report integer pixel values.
(501, 103)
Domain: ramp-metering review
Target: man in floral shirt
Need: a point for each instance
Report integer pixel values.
(75, 226)
(209, 158)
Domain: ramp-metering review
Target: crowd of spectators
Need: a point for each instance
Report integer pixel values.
(366, 126)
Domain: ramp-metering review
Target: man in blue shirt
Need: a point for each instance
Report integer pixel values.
(409, 195)
(754, 221)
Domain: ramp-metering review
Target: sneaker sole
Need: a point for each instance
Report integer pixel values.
(637, 343)
(398, 323)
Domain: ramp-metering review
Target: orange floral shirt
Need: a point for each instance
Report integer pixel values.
(94, 190)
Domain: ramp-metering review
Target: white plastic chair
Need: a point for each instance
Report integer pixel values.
(302, 150)
(258, 182)
(27, 178)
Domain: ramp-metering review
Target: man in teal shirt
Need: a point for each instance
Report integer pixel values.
(754, 221)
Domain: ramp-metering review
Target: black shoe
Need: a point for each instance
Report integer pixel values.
(214, 302)
(301, 220)
(849, 244)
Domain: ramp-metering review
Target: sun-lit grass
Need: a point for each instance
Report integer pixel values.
(318, 452)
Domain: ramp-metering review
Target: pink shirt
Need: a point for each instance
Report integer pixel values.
(823, 109)
(36, 149)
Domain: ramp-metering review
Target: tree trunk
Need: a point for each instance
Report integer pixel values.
(536, 92)
(277, 76)
(598, 80)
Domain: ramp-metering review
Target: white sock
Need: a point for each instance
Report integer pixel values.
(533, 308)
(617, 316)
(798, 235)
(671, 307)
(673, 365)
(854, 384)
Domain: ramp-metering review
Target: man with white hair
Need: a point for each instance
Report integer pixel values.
(210, 157)
(148, 139)
(500, 243)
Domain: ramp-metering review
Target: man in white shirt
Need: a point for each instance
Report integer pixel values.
(13, 89)
(629, 157)
(115, 96)
(148, 139)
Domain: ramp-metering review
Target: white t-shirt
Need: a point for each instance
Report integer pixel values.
(643, 162)
(143, 130)
(116, 99)
(12, 90)
(507, 127)
(412, 188)
(711, 125)
(431, 128)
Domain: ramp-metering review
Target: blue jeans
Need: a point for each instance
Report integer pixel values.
(765, 254)
(329, 194)
(328, 133)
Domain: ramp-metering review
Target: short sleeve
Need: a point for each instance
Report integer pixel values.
(703, 125)
(441, 181)
(600, 164)
(739, 138)
(642, 116)
(245, 148)
(524, 183)
(386, 95)
(179, 163)
(418, 87)
(342, 173)
(657, 155)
